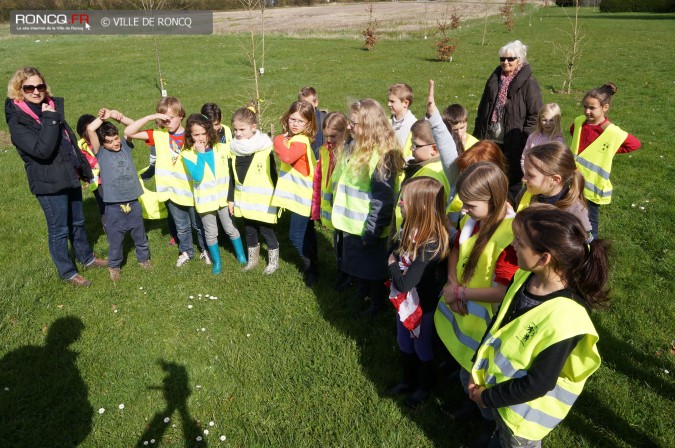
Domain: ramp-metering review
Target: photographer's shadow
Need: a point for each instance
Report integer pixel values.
(44, 401)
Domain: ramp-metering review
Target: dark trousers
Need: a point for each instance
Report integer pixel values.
(118, 223)
(303, 236)
(251, 229)
(65, 222)
(594, 217)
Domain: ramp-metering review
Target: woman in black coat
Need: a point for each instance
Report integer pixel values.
(54, 166)
(507, 112)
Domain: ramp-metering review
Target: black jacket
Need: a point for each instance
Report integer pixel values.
(48, 167)
(520, 114)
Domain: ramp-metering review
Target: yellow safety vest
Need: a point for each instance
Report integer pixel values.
(433, 170)
(508, 352)
(211, 193)
(461, 334)
(173, 182)
(353, 193)
(525, 200)
(84, 147)
(407, 148)
(253, 196)
(294, 191)
(327, 186)
(470, 141)
(595, 162)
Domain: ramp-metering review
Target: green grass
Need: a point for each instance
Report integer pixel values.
(278, 364)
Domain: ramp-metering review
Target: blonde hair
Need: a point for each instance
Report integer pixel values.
(14, 91)
(169, 103)
(402, 91)
(306, 111)
(374, 134)
(555, 158)
(550, 108)
(338, 122)
(421, 129)
(425, 218)
(483, 181)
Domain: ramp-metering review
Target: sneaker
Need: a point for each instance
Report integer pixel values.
(182, 259)
(147, 264)
(78, 280)
(97, 263)
(115, 273)
(172, 241)
(205, 256)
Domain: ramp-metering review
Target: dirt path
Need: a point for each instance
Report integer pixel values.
(335, 18)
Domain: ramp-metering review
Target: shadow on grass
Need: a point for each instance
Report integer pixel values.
(176, 390)
(379, 356)
(44, 401)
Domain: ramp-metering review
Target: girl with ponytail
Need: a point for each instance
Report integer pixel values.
(551, 176)
(541, 347)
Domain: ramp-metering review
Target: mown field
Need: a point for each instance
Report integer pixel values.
(264, 361)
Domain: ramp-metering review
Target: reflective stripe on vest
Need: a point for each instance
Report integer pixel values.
(294, 191)
(595, 162)
(253, 196)
(508, 352)
(353, 193)
(173, 182)
(326, 188)
(211, 193)
(461, 334)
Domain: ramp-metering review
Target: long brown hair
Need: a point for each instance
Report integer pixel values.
(425, 218)
(483, 181)
(555, 158)
(582, 264)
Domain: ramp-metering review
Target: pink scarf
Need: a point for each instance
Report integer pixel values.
(505, 82)
(21, 104)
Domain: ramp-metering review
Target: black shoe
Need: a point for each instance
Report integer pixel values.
(311, 277)
(417, 398)
(467, 411)
(398, 389)
(371, 312)
(484, 438)
(343, 282)
(147, 174)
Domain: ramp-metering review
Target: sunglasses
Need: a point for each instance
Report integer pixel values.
(30, 89)
(509, 58)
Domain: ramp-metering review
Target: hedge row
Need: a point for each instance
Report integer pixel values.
(637, 6)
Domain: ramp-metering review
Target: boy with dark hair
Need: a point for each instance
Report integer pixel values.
(310, 95)
(455, 118)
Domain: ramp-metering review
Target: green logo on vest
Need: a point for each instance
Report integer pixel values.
(528, 333)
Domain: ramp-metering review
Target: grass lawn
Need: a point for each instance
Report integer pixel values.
(265, 361)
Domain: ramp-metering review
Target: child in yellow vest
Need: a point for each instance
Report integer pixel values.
(252, 183)
(480, 266)
(336, 134)
(595, 140)
(541, 347)
(295, 184)
(550, 176)
(365, 193)
(455, 118)
(173, 182)
(207, 161)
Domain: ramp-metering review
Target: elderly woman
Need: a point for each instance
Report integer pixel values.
(507, 112)
(54, 167)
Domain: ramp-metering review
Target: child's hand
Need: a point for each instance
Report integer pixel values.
(431, 102)
(200, 147)
(392, 259)
(230, 205)
(475, 392)
(162, 117)
(116, 115)
(104, 113)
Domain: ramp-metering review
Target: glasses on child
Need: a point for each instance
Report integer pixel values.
(414, 146)
(297, 121)
(30, 89)
(507, 58)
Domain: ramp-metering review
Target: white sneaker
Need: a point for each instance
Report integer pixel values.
(182, 259)
(205, 256)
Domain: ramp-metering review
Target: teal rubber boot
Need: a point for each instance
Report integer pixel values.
(239, 250)
(214, 251)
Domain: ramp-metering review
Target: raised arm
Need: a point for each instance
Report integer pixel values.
(133, 129)
(444, 141)
(92, 135)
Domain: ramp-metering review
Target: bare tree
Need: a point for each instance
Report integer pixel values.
(255, 50)
(570, 52)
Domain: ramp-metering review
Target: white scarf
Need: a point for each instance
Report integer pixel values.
(246, 147)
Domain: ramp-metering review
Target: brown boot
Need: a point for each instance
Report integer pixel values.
(115, 273)
(78, 280)
(97, 263)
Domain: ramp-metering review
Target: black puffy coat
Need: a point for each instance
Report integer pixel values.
(49, 167)
(520, 115)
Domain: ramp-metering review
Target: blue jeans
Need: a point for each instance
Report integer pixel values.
(65, 221)
(594, 217)
(303, 236)
(186, 219)
(118, 224)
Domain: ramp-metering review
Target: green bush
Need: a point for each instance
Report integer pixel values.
(637, 6)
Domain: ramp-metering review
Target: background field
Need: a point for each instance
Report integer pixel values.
(270, 362)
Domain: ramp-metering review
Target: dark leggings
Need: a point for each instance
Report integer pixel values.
(251, 229)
